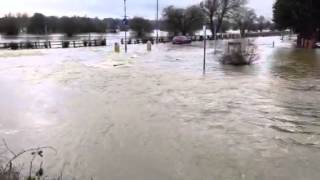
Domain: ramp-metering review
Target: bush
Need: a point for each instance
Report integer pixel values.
(14, 46)
(236, 59)
(9, 174)
(46, 45)
(9, 170)
(65, 44)
(29, 45)
(103, 42)
(85, 43)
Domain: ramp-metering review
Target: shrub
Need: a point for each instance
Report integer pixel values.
(29, 45)
(236, 59)
(8, 171)
(65, 44)
(14, 46)
(85, 43)
(12, 174)
(103, 42)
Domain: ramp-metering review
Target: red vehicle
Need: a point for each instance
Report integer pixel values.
(181, 40)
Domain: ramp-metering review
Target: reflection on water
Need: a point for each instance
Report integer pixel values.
(155, 116)
(296, 63)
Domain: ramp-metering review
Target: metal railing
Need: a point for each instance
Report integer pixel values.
(52, 44)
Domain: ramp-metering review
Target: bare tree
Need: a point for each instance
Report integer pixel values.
(244, 18)
(217, 11)
(210, 8)
(262, 23)
(226, 10)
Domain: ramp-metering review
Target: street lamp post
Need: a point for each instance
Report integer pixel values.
(125, 26)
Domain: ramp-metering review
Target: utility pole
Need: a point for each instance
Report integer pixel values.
(157, 25)
(46, 33)
(204, 48)
(125, 26)
(215, 37)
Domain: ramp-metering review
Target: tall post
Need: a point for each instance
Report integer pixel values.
(125, 24)
(215, 37)
(157, 25)
(46, 34)
(204, 45)
(204, 48)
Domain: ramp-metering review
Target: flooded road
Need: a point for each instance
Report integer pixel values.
(156, 116)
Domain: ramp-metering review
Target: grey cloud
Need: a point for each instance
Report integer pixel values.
(107, 8)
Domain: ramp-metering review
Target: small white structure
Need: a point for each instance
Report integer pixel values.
(240, 53)
(234, 47)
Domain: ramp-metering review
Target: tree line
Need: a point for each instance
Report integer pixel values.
(219, 15)
(40, 24)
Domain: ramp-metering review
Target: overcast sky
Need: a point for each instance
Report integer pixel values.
(108, 8)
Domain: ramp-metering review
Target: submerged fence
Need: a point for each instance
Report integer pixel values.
(220, 36)
(48, 44)
(52, 44)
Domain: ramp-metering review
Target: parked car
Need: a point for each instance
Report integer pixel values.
(181, 40)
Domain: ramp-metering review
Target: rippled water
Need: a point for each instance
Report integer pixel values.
(156, 116)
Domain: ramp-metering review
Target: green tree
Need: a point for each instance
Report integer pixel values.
(141, 27)
(52, 24)
(112, 24)
(23, 21)
(9, 25)
(37, 24)
(99, 25)
(183, 21)
(302, 16)
(69, 26)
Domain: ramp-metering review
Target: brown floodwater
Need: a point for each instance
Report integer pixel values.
(156, 116)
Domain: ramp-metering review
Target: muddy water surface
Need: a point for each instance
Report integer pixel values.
(156, 116)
